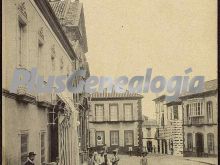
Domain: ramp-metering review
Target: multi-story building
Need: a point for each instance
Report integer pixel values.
(149, 129)
(200, 121)
(174, 110)
(44, 123)
(71, 16)
(169, 121)
(115, 121)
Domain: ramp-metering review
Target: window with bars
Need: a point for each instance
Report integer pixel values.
(24, 147)
(99, 112)
(129, 138)
(209, 112)
(114, 138)
(189, 142)
(210, 142)
(113, 112)
(42, 146)
(195, 109)
(128, 112)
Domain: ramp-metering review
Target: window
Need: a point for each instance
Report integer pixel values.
(99, 112)
(189, 142)
(162, 120)
(209, 112)
(148, 132)
(24, 147)
(129, 138)
(187, 113)
(100, 138)
(114, 137)
(128, 112)
(196, 109)
(42, 146)
(113, 112)
(175, 112)
(210, 143)
(21, 42)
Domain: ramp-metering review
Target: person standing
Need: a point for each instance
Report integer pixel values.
(115, 159)
(105, 148)
(101, 157)
(143, 160)
(30, 159)
(96, 158)
(130, 149)
(154, 149)
(106, 160)
(90, 160)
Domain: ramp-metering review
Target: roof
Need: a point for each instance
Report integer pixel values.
(51, 18)
(176, 101)
(162, 97)
(209, 86)
(71, 14)
(70, 11)
(149, 122)
(113, 94)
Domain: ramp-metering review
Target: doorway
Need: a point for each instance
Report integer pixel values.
(199, 144)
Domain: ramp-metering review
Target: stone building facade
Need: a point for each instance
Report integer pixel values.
(200, 121)
(169, 121)
(44, 123)
(115, 120)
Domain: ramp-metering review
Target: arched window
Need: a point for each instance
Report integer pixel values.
(209, 108)
(189, 142)
(210, 143)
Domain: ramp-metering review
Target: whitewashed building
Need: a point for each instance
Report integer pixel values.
(200, 121)
(46, 124)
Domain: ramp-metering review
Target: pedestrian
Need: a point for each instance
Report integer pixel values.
(115, 159)
(105, 148)
(101, 157)
(106, 160)
(130, 149)
(96, 158)
(90, 160)
(143, 160)
(30, 159)
(154, 149)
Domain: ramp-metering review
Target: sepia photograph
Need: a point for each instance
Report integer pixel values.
(109, 82)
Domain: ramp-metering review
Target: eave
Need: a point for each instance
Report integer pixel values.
(51, 18)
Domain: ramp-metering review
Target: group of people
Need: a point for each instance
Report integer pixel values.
(101, 158)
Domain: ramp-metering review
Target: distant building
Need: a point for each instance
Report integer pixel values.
(169, 121)
(201, 121)
(149, 129)
(116, 121)
(174, 110)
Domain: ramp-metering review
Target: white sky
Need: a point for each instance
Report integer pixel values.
(126, 37)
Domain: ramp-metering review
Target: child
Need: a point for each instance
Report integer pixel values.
(144, 159)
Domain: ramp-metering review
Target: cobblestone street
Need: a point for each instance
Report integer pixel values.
(159, 160)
